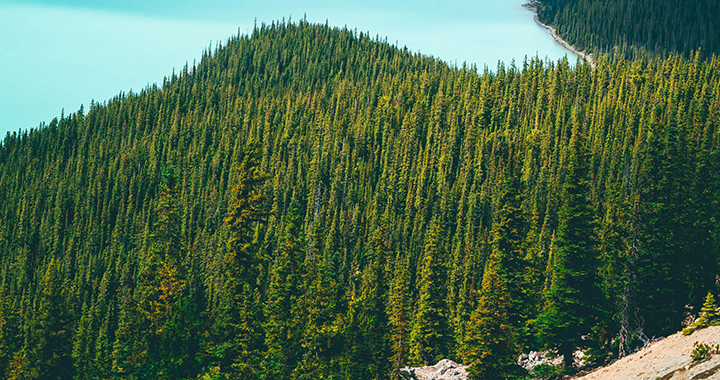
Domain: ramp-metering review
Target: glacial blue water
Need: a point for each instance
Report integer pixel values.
(59, 54)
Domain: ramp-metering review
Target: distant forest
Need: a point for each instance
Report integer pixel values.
(309, 202)
(634, 28)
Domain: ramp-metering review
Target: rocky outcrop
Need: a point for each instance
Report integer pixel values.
(444, 370)
(669, 358)
(533, 359)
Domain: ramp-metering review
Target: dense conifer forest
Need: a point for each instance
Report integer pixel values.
(310, 202)
(632, 28)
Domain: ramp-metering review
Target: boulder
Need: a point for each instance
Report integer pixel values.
(445, 369)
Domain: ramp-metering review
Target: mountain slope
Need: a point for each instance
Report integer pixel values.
(351, 183)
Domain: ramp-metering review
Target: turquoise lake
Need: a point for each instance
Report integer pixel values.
(57, 55)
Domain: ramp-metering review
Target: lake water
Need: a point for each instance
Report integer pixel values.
(57, 55)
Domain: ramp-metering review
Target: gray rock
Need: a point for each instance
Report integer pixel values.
(444, 370)
(533, 359)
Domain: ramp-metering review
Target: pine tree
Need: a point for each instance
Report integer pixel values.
(429, 336)
(663, 263)
(282, 312)
(494, 333)
(366, 330)
(161, 288)
(491, 340)
(399, 308)
(619, 246)
(320, 340)
(6, 353)
(50, 353)
(239, 323)
(573, 302)
(709, 312)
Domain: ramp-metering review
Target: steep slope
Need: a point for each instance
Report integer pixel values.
(315, 186)
(666, 359)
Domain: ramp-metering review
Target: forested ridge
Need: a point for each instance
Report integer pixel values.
(310, 202)
(631, 28)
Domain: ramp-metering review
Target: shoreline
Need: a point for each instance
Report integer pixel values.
(532, 5)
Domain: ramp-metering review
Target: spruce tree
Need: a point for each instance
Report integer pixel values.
(709, 312)
(321, 325)
(5, 348)
(491, 340)
(161, 289)
(282, 308)
(494, 333)
(573, 302)
(50, 348)
(367, 325)
(399, 309)
(429, 336)
(664, 263)
(238, 326)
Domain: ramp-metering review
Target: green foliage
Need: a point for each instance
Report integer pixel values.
(710, 310)
(703, 351)
(366, 318)
(573, 303)
(708, 316)
(399, 317)
(410, 179)
(491, 340)
(49, 338)
(637, 27)
(238, 329)
(282, 322)
(428, 335)
(494, 332)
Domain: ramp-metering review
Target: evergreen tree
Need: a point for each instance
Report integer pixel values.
(429, 338)
(399, 317)
(282, 308)
(321, 330)
(494, 334)
(49, 353)
(490, 339)
(161, 289)
(709, 312)
(5, 348)
(239, 323)
(663, 236)
(573, 303)
(366, 331)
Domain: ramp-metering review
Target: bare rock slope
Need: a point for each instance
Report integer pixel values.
(666, 359)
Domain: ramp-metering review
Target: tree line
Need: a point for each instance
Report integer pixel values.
(311, 202)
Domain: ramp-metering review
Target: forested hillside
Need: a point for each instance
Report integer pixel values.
(632, 28)
(310, 203)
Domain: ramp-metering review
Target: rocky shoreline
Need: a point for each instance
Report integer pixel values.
(533, 5)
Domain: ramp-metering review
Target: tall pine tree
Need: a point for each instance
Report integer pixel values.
(282, 308)
(429, 337)
(50, 344)
(573, 301)
(238, 326)
(495, 330)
